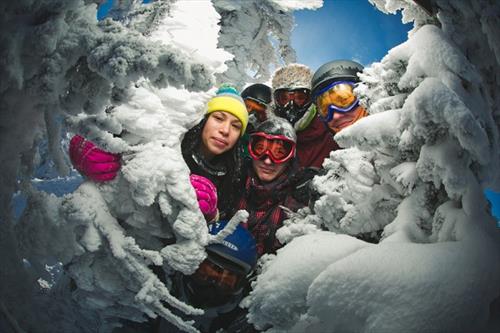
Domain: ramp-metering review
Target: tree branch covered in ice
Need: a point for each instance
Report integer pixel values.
(258, 34)
(416, 169)
(133, 83)
(109, 81)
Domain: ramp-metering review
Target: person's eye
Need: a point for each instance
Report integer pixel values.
(218, 116)
(259, 147)
(236, 126)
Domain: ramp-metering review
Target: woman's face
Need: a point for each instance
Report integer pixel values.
(267, 170)
(220, 133)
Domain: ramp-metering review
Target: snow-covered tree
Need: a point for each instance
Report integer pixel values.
(258, 34)
(134, 84)
(414, 169)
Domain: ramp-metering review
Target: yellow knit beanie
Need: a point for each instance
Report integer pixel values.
(228, 99)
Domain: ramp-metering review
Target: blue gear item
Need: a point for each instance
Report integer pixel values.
(220, 280)
(239, 247)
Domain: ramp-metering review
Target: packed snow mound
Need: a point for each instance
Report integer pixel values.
(399, 287)
(282, 286)
(325, 282)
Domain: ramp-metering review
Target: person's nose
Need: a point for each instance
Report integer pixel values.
(224, 128)
(267, 160)
(338, 115)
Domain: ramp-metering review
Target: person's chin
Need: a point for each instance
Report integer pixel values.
(266, 175)
(340, 126)
(221, 145)
(216, 150)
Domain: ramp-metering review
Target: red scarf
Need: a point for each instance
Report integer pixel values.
(262, 202)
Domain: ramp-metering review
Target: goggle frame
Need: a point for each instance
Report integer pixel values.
(334, 108)
(293, 92)
(209, 272)
(267, 151)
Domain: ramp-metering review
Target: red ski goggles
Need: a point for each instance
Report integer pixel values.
(279, 148)
(212, 274)
(300, 97)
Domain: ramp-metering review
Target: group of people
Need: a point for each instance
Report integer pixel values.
(257, 151)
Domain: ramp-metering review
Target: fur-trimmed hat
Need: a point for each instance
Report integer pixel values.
(228, 99)
(292, 76)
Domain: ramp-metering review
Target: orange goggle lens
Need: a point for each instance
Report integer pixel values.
(210, 273)
(253, 105)
(299, 96)
(279, 148)
(341, 95)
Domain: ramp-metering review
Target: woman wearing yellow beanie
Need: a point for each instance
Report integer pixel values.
(211, 148)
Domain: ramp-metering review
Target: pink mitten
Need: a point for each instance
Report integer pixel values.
(206, 192)
(91, 161)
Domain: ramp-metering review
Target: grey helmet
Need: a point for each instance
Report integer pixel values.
(337, 70)
(277, 126)
(258, 92)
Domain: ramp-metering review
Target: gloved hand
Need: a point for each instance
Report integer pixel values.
(93, 162)
(206, 192)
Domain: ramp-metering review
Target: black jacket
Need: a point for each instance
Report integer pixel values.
(224, 170)
(264, 202)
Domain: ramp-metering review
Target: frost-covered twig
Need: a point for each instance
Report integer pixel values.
(134, 259)
(239, 216)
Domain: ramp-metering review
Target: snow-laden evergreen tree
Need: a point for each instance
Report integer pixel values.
(251, 30)
(412, 178)
(134, 84)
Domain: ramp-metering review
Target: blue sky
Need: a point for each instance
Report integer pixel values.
(346, 29)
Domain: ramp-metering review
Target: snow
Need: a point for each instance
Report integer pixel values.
(414, 170)
(281, 298)
(258, 34)
(373, 289)
(200, 28)
(411, 177)
(290, 5)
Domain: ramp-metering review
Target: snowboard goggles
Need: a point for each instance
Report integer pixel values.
(300, 97)
(213, 274)
(336, 97)
(279, 148)
(254, 105)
